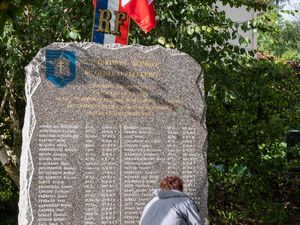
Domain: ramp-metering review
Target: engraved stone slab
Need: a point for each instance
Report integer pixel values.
(103, 125)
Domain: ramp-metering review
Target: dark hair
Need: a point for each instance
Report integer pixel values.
(171, 182)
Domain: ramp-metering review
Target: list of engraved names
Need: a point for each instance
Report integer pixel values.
(119, 169)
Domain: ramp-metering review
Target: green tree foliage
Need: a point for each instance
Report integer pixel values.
(287, 32)
(283, 40)
(250, 104)
(247, 151)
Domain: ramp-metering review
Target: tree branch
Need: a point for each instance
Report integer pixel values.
(4, 158)
(11, 169)
(3, 101)
(17, 134)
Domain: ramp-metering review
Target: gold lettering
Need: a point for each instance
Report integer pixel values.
(145, 63)
(88, 72)
(141, 74)
(104, 18)
(120, 18)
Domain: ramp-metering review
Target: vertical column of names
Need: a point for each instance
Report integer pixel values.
(172, 150)
(140, 159)
(92, 169)
(190, 159)
(56, 174)
(110, 180)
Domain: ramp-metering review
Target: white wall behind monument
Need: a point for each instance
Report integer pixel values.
(103, 124)
(241, 15)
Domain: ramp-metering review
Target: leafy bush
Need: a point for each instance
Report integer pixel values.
(247, 149)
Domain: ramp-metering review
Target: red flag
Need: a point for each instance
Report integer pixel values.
(142, 12)
(94, 3)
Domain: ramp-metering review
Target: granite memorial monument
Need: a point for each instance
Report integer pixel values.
(103, 125)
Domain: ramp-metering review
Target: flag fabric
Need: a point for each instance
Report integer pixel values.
(94, 3)
(112, 7)
(142, 12)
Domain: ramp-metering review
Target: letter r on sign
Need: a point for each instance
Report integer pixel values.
(104, 19)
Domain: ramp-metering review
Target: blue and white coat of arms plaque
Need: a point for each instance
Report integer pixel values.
(60, 67)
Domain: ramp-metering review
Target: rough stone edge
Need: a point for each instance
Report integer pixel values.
(202, 122)
(86, 45)
(25, 216)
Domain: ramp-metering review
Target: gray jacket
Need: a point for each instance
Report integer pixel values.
(170, 207)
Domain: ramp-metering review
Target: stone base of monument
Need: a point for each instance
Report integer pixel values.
(103, 125)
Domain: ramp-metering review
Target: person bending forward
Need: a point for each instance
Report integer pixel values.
(171, 206)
